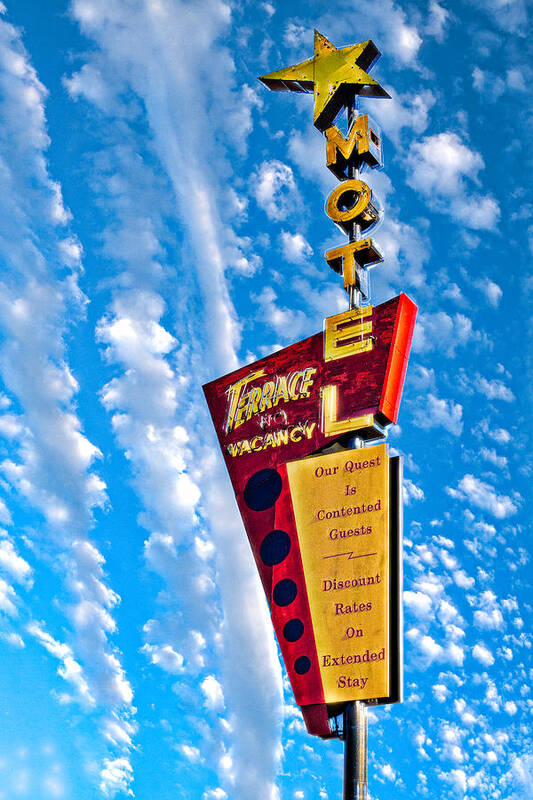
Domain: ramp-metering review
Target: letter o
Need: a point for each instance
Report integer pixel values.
(319, 471)
(353, 201)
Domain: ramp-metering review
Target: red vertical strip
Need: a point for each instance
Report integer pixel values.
(398, 357)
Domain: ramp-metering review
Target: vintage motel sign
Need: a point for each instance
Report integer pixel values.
(270, 417)
(324, 522)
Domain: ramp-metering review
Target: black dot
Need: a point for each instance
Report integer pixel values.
(263, 489)
(302, 665)
(293, 630)
(284, 592)
(275, 548)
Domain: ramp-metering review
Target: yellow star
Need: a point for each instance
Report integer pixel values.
(334, 75)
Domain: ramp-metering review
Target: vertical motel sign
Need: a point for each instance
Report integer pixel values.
(323, 521)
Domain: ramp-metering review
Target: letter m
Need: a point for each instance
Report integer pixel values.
(339, 149)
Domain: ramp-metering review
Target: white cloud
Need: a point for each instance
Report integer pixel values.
(92, 85)
(463, 580)
(489, 620)
(191, 753)
(434, 412)
(490, 454)
(274, 189)
(438, 20)
(483, 495)
(408, 111)
(212, 690)
(13, 564)
(116, 776)
(296, 35)
(406, 250)
(488, 616)
(491, 290)
(500, 435)
(287, 323)
(395, 32)
(440, 692)
(430, 651)
(411, 492)
(8, 599)
(510, 15)
(164, 656)
(483, 654)
(420, 604)
(441, 168)
(440, 164)
(494, 390)
(522, 772)
(442, 332)
(5, 514)
(388, 772)
(13, 639)
(119, 730)
(215, 794)
(295, 248)
(69, 669)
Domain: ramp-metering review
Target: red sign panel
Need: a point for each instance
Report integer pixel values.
(347, 379)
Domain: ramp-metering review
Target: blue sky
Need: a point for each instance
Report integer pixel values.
(161, 224)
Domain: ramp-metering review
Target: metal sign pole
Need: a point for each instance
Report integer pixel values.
(354, 296)
(355, 751)
(355, 719)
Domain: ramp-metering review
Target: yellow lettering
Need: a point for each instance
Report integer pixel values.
(254, 397)
(282, 437)
(343, 259)
(266, 399)
(292, 380)
(309, 429)
(307, 381)
(345, 333)
(234, 394)
(254, 442)
(352, 202)
(268, 441)
(297, 435)
(281, 390)
(339, 149)
(331, 426)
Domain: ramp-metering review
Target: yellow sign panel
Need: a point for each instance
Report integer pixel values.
(341, 508)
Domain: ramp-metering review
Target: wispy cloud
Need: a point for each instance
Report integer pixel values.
(159, 373)
(485, 496)
(51, 462)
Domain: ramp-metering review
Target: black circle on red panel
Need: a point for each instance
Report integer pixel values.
(293, 630)
(302, 665)
(284, 592)
(275, 548)
(263, 489)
